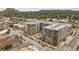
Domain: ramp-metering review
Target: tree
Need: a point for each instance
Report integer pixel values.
(8, 46)
(77, 48)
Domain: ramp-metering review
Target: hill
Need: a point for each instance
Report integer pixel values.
(42, 14)
(9, 12)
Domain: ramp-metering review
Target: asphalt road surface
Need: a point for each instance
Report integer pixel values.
(75, 40)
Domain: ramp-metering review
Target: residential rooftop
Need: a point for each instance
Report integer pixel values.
(56, 26)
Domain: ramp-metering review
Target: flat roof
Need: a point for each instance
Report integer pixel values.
(56, 26)
(19, 25)
(31, 23)
(4, 31)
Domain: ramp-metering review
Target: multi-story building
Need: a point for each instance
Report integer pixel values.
(43, 25)
(32, 27)
(35, 26)
(55, 33)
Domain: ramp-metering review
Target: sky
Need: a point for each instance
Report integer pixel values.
(37, 9)
(24, 9)
(29, 9)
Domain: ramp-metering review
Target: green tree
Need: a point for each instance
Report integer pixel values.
(8, 46)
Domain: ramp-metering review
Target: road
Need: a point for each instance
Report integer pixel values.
(36, 44)
(75, 40)
(30, 41)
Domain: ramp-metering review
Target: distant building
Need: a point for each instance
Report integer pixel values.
(4, 32)
(63, 20)
(18, 26)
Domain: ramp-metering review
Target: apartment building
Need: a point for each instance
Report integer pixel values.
(32, 27)
(55, 33)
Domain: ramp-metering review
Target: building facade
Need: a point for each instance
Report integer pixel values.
(56, 33)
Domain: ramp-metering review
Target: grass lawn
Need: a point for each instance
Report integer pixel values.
(76, 26)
